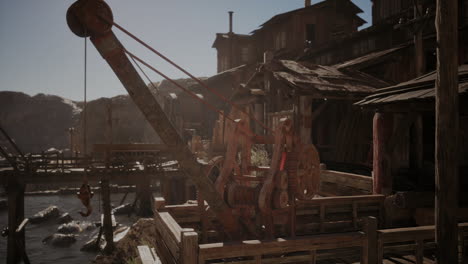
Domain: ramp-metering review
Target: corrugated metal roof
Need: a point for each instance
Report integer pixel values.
(318, 79)
(420, 88)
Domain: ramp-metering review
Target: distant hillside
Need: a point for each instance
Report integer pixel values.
(128, 123)
(37, 122)
(166, 87)
(40, 122)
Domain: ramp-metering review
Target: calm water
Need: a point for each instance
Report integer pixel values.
(39, 253)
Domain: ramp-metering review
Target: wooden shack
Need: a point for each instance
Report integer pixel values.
(404, 146)
(320, 98)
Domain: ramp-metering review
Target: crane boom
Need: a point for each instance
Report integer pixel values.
(84, 18)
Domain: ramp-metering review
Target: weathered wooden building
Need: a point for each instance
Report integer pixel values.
(319, 99)
(399, 46)
(288, 34)
(404, 146)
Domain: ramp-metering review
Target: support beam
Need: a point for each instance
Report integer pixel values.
(15, 191)
(419, 41)
(107, 223)
(305, 115)
(447, 129)
(143, 189)
(260, 116)
(382, 131)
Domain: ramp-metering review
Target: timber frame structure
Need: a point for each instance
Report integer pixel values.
(297, 229)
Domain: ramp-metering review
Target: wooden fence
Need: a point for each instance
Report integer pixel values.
(366, 244)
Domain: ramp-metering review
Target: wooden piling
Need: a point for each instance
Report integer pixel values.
(382, 130)
(447, 129)
(107, 223)
(369, 249)
(145, 207)
(189, 247)
(16, 241)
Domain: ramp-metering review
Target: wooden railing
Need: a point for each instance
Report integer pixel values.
(340, 213)
(365, 244)
(341, 183)
(294, 250)
(174, 243)
(415, 242)
(319, 215)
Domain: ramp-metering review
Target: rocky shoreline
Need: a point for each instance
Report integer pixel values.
(126, 242)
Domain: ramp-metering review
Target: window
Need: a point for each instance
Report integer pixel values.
(280, 40)
(310, 35)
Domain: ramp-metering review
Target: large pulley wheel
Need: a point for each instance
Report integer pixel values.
(308, 172)
(89, 18)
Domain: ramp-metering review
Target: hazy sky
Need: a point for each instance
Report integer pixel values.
(39, 54)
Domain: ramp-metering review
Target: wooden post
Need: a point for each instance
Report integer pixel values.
(189, 247)
(159, 203)
(15, 192)
(106, 208)
(369, 249)
(382, 130)
(305, 123)
(447, 129)
(260, 116)
(419, 42)
(144, 192)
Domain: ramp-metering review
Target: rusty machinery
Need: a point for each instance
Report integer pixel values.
(237, 198)
(261, 195)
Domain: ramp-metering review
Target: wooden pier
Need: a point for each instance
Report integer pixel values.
(129, 164)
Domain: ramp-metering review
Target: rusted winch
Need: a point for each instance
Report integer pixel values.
(258, 192)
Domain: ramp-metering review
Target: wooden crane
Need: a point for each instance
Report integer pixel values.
(232, 195)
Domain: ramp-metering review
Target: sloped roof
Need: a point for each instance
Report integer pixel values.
(225, 36)
(368, 59)
(283, 16)
(322, 80)
(421, 88)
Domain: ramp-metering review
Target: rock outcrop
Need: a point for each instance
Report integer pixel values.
(74, 227)
(60, 240)
(39, 122)
(126, 242)
(46, 214)
(128, 123)
(123, 209)
(65, 218)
